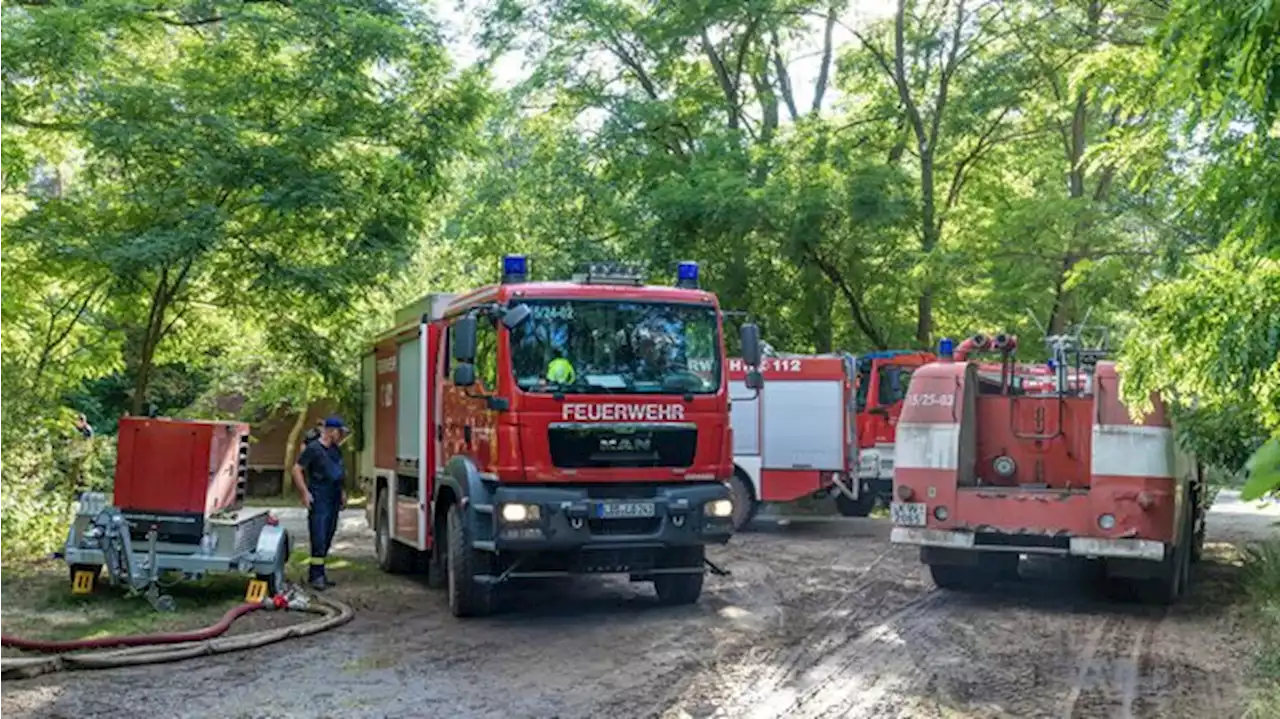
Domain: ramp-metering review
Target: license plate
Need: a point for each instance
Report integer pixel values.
(907, 514)
(624, 510)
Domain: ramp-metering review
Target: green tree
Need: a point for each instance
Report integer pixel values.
(248, 157)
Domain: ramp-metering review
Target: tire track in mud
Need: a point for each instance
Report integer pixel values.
(823, 634)
(1113, 669)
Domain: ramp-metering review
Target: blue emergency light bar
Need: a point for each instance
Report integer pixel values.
(687, 275)
(515, 269)
(946, 348)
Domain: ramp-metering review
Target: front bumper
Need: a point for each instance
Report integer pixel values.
(1091, 547)
(568, 518)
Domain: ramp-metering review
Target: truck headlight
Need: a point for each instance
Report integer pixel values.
(719, 508)
(516, 513)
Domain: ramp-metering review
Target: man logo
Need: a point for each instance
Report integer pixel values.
(626, 444)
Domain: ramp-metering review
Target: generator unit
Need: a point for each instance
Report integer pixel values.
(178, 506)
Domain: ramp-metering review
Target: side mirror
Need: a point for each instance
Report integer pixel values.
(751, 350)
(464, 375)
(464, 342)
(516, 316)
(755, 380)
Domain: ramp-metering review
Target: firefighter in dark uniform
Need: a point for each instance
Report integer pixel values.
(319, 475)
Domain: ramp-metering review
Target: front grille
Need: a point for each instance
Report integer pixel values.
(630, 525)
(575, 446)
(622, 491)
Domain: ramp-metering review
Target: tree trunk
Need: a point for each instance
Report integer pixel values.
(291, 446)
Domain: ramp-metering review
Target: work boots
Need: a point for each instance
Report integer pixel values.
(317, 580)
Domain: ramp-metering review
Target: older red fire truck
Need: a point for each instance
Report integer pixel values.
(539, 429)
(882, 381)
(796, 437)
(995, 465)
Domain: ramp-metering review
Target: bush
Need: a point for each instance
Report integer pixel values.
(43, 465)
(1262, 582)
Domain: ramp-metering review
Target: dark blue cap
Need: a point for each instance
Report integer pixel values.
(335, 423)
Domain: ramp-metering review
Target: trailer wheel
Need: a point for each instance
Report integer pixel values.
(275, 579)
(677, 589)
(744, 500)
(467, 597)
(393, 557)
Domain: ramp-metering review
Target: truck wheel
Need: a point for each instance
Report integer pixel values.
(744, 501)
(1169, 586)
(393, 557)
(676, 589)
(467, 597)
(859, 507)
(956, 577)
(1200, 523)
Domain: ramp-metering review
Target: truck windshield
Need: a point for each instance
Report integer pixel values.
(617, 347)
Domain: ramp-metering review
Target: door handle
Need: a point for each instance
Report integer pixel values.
(440, 432)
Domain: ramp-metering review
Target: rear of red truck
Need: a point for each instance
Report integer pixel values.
(994, 465)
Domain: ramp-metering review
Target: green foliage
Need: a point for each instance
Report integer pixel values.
(1262, 583)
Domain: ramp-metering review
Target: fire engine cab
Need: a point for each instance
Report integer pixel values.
(797, 437)
(882, 383)
(540, 429)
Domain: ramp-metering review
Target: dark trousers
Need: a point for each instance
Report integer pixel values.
(322, 522)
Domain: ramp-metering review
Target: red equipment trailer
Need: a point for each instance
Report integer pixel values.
(991, 467)
(796, 437)
(540, 429)
(177, 506)
(882, 383)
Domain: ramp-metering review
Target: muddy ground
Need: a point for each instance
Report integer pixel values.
(819, 619)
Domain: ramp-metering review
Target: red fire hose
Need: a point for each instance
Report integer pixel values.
(133, 640)
(157, 648)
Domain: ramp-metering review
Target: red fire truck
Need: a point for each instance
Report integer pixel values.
(991, 466)
(796, 437)
(883, 378)
(539, 429)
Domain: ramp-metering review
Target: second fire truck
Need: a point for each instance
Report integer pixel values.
(995, 462)
(540, 429)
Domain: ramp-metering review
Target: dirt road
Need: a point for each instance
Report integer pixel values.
(817, 620)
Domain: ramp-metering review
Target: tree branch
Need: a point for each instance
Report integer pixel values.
(824, 70)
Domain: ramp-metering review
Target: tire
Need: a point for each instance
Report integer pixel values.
(681, 589)
(958, 577)
(1169, 586)
(1199, 522)
(744, 501)
(393, 557)
(860, 507)
(276, 578)
(991, 567)
(467, 597)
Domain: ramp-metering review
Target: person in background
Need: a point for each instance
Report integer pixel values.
(313, 433)
(319, 475)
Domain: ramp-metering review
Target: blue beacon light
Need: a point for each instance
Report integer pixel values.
(687, 275)
(946, 347)
(515, 268)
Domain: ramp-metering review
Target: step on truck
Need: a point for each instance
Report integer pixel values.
(532, 430)
(994, 462)
(796, 437)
